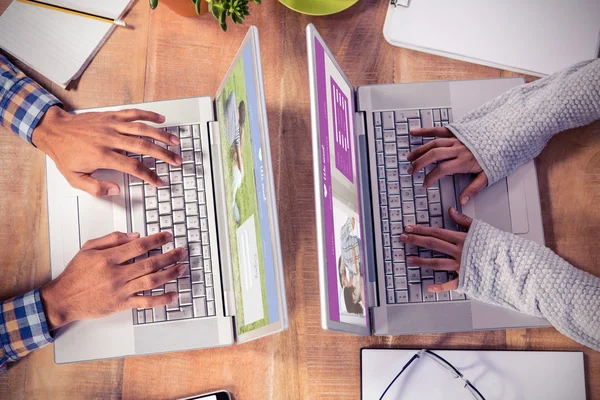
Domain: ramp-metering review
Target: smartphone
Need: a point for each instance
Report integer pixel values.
(218, 395)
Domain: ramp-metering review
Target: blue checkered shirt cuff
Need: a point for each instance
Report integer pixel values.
(23, 327)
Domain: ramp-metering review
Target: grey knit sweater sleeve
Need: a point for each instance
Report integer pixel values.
(514, 128)
(502, 269)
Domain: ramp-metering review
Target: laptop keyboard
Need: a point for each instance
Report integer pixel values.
(180, 208)
(404, 201)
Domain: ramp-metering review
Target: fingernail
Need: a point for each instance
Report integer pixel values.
(133, 235)
(174, 139)
(464, 200)
(182, 253)
(168, 236)
(113, 191)
(161, 118)
(453, 210)
(409, 157)
(410, 169)
(403, 237)
(410, 260)
(409, 228)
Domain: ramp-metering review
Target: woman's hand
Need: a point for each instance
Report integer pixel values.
(453, 157)
(440, 240)
(80, 144)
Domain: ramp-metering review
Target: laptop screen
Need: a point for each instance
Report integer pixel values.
(249, 193)
(337, 191)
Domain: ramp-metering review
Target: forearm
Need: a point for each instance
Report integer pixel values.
(502, 269)
(23, 102)
(23, 328)
(514, 128)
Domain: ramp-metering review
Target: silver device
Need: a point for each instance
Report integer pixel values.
(364, 198)
(233, 286)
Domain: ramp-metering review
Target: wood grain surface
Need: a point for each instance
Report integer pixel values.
(163, 56)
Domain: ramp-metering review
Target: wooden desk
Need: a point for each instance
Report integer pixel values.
(167, 57)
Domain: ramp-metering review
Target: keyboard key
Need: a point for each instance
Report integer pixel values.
(424, 253)
(149, 190)
(167, 247)
(381, 169)
(385, 226)
(164, 208)
(403, 155)
(162, 169)
(193, 222)
(443, 296)
(384, 212)
(427, 272)
(408, 207)
(399, 269)
(189, 182)
(185, 298)
(427, 296)
(402, 129)
(203, 224)
(390, 296)
(411, 249)
(388, 267)
(379, 146)
(406, 181)
(389, 136)
(197, 276)
(392, 175)
(151, 203)
(178, 203)
(202, 213)
(427, 118)
(166, 221)
(194, 235)
(191, 196)
(181, 242)
(421, 203)
(195, 249)
(393, 187)
(403, 168)
(398, 255)
(405, 114)
(422, 217)
(410, 220)
(164, 195)
(186, 144)
(444, 114)
(183, 313)
(414, 124)
(387, 254)
(377, 118)
(396, 228)
(394, 201)
(141, 316)
(205, 251)
(389, 281)
(152, 216)
(436, 222)
(388, 119)
(207, 266)
(414, 275)
(176, 177)
(433, 195)
(419, 177)
(386, 240)
(200, 307)
(153, 229)
(209, 279)
(436, 115)
(454, 295)
(414, 292)
(160, 314)
(178, 216)
(198, 290)
(441, 277)
(389, 149)
(416, 140)
(420, 191)
(400, 282)
(383, 200)
(185, 131)
(402, 141)
(136, 199)
(191, 209)
(401, 296)
(435, 209)
(391, 161)
(397, 243)
(378, 134)
(395, 215)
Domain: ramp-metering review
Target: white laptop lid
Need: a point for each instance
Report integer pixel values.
(339, 221)
(536, 37)
(252, 241)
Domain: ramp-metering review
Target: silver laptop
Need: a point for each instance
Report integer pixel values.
(220, 207)
(364, 198)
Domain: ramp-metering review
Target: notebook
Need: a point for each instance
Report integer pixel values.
(505, 375)
(56, 44)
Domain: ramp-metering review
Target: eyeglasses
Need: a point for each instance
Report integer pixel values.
(441, 361)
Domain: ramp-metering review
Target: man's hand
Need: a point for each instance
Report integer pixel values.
(454, 158)
(80, 144)
(441, 240)
(100, 282)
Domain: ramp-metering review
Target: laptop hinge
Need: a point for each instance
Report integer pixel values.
(365, 210)
(221, 218)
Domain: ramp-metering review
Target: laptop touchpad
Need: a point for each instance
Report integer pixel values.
(95, 217)
(491, 206)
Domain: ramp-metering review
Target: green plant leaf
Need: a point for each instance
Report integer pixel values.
(197, 4)
(153, 4)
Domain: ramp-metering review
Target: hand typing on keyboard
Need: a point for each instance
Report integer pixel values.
(80, 144)
(453, 157)
(99, 281)
(441, 240)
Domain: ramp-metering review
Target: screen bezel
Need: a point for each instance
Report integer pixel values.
(326, 321)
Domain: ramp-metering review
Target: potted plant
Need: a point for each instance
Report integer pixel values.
(220, 9)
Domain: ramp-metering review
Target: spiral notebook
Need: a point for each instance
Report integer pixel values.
(58, 45)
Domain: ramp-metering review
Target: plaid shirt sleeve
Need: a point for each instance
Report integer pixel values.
(23, 327)
(23, 102)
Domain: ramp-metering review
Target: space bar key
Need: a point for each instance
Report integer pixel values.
(136, 199)
(448, 196)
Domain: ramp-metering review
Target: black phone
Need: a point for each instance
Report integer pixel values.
(218, 395)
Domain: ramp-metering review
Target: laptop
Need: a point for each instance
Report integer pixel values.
(220, 207)
(364, 198)
(535, 37)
